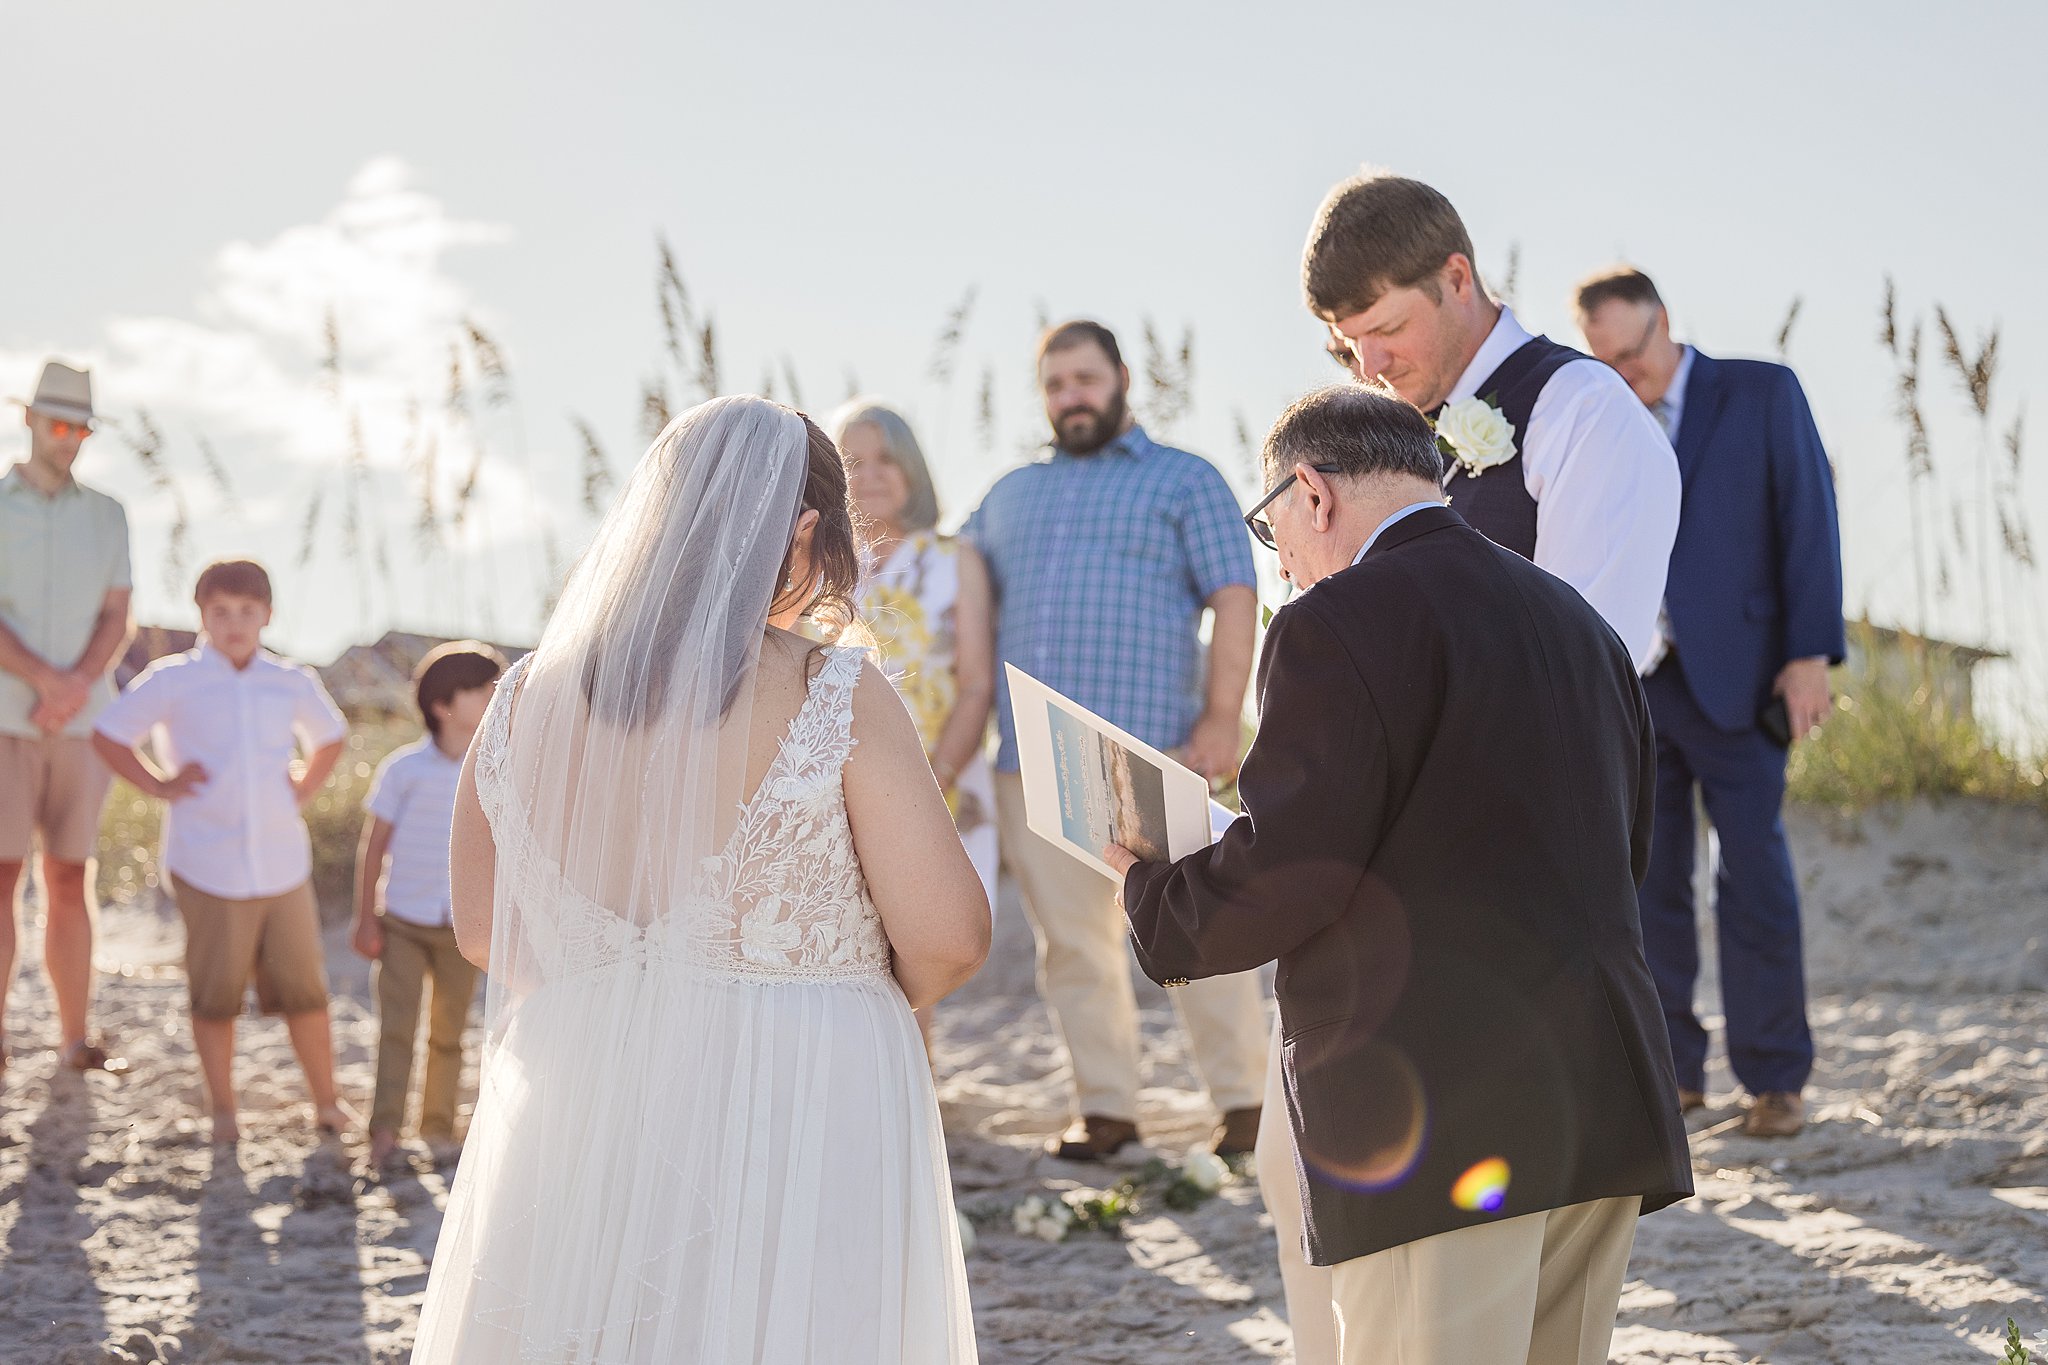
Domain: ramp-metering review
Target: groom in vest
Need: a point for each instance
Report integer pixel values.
(1753, 618)
(1588, 487)
(1572, 473)
(1447, 811)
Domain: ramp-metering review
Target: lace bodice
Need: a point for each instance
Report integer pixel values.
(784, 900)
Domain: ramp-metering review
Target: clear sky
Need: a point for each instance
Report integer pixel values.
(194, 188)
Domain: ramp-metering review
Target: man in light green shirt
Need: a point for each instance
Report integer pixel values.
(64, 619)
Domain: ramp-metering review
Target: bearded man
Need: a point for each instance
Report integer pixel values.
(1103, 557)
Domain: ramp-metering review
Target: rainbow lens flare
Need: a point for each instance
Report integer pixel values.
(1484, 1188)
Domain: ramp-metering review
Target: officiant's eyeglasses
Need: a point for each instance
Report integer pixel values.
(1262, 528)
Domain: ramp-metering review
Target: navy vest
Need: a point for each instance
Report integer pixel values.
(1496, 502)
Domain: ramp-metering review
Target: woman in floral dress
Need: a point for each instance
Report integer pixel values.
(926, 600)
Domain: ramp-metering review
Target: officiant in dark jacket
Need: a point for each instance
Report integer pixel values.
(1447, 812)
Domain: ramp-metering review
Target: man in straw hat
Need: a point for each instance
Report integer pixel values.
(64, 591)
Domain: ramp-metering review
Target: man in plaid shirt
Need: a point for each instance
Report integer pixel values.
(1103, 558)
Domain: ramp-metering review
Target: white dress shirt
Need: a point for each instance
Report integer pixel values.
(239, 835)
(1605, 484)
(1668, 410)
(1381, 529)
(1674, 396)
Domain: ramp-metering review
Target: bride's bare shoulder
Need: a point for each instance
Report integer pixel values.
(879, 715)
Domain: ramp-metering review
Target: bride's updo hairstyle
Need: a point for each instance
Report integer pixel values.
(834, 569)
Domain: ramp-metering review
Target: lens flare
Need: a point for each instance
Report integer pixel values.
(1371, 1139)
(1484, 1188)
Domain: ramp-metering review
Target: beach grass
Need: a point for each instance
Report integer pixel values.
(1899, 733)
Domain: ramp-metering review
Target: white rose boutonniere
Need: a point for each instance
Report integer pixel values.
(1476, 434)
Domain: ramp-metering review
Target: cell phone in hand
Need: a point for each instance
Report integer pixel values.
(1776, 721)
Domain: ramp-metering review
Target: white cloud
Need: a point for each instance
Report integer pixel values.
(247, 374)
(375, 260)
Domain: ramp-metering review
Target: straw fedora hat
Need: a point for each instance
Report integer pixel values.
(62, 393)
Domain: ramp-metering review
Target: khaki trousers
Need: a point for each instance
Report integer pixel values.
(1506, 1288)
(1542, 1288)
(1084, 974)
(412, 953)
(1310, 1311)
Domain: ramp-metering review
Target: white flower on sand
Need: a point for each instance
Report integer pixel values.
(1205, 1170)
(1476, 434)
(1048, 1222)
(1053, 1227)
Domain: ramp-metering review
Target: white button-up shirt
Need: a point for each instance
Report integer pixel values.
(239, 836)
(1668, 411)
(1605, 483)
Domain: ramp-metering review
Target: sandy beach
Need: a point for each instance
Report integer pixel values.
(1902, 1228)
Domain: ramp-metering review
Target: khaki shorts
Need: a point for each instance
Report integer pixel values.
(276, 939)
(53, 786)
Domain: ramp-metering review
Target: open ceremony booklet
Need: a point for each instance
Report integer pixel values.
(1087, 784)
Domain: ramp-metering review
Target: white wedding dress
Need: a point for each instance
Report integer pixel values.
(706, 1131)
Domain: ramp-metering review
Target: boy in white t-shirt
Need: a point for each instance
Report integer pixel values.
(411, 934)
(227, 719)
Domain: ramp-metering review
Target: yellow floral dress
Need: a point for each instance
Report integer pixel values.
(908, 603)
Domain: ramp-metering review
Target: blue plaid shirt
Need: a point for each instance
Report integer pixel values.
(1101, 565)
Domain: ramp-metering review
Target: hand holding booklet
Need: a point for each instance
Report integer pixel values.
(1088, 784)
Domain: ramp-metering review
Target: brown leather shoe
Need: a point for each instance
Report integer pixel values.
(1238, 1134)
(1091, 1138)
(1689, 1100)
(1775, 1113)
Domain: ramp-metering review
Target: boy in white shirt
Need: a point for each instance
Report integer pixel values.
(227, 719)
(411, 935)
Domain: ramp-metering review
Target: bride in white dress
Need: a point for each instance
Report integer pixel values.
(707, 867)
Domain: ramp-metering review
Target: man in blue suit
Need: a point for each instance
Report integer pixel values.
(1752, 619)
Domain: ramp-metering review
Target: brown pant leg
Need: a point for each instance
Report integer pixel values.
(454, 986)
(401, 975)
(291, 967)
(22, 768)
(223, 941)
(73, 796)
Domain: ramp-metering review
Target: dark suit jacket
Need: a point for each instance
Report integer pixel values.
(1756, 572)
(1447, 811)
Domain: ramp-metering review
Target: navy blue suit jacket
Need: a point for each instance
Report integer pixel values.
(1756, 571)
